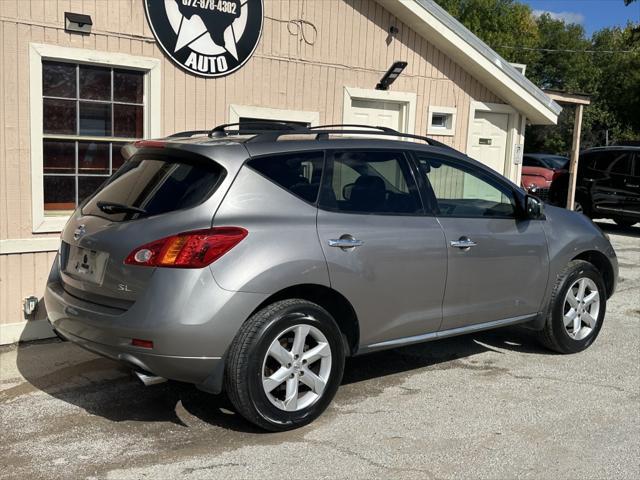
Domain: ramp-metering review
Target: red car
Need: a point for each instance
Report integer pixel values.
(544, 175)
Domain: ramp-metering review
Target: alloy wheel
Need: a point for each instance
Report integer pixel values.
(296, 368)
(581, 308)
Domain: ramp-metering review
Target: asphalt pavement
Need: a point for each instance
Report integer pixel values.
(491, 405)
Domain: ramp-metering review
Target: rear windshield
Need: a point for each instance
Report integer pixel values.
(156, 185)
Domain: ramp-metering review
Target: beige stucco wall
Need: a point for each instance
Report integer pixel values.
(351, 50)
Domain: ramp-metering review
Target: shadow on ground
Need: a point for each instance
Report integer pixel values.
(633, 232)
(105, 388)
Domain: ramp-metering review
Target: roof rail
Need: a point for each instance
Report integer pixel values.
(272, 130)
(189, 133)
(323, 131)
(353, 125)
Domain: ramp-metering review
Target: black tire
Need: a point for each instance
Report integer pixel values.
(244, 365)
(625, 222)
(554, 335)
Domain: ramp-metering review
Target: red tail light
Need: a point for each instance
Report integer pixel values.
(137, 342)
(195, 249)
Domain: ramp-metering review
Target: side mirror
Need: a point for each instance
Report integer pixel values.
(534, 208)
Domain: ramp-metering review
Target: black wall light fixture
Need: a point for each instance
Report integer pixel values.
(77, 22)
(391, 75)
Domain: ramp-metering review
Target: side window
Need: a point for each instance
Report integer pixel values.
(459, 193)
(299, 173)
(370, 182)
(621, 164)
(531, 162)
(600, 161)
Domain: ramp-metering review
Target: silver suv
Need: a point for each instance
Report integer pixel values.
(254, 258)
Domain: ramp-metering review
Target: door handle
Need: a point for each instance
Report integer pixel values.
(345, 242)
(632, 185)
(463, 243)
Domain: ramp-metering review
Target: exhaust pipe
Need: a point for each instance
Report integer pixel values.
(148, 379)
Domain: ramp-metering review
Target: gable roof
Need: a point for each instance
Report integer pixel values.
(443, 31)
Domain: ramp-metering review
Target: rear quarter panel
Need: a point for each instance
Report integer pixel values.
(282, 248)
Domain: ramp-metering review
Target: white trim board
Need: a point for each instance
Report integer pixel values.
(24, 331)
(408, 100)
(152, 112)
(29, 245)
(449, 36)
(238, 111)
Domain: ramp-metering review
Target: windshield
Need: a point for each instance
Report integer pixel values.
(154, 185)
(557, 163)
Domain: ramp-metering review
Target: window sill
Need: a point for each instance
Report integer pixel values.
(442, 132)
(51, 224)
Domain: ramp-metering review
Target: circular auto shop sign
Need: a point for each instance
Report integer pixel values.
(211, 38)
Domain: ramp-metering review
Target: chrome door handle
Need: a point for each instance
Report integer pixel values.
(463, 243)
(345, 242)
(632, 185)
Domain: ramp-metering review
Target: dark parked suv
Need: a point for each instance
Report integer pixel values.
(608, 184)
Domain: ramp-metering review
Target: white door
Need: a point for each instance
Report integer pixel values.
(377, 113)
(489, 139)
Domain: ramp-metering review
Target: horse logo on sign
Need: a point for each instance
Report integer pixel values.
(210, 38)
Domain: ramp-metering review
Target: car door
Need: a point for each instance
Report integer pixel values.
(632, 184)
(611, 193)
(497, 264)
(384, 253)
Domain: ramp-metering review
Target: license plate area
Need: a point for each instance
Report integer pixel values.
(85, 264)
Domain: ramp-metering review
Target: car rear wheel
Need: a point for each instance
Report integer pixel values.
(285, 365)
(577, 309)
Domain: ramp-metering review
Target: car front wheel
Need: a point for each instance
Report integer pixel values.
(285, 365)
(576, 310)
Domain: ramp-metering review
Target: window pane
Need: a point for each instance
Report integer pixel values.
(128, 86)
(59, 156)
(621, 164)
(59, 194)
(59, 116)
(371, 182)
(116, 156)
(298, 173)
(95, 119)
(93, 157)
(58, 79)
(158, 186)
(88, 185)
(462, 194)
(128, 121)
(95, 83)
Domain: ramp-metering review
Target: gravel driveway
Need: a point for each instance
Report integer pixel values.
(490, 405)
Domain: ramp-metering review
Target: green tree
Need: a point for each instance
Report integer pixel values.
(560, 56)
(499, 23)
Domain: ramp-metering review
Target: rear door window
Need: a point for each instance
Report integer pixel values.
(156, 185)
(372, 182)
(621, 163)
(298, 173)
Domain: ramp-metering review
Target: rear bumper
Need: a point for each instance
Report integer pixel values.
(206, 372)
(188, 317)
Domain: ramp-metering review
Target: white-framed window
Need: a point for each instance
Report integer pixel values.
(85, 105)
(441, 121)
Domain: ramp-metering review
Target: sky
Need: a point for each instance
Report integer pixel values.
(591, 14)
